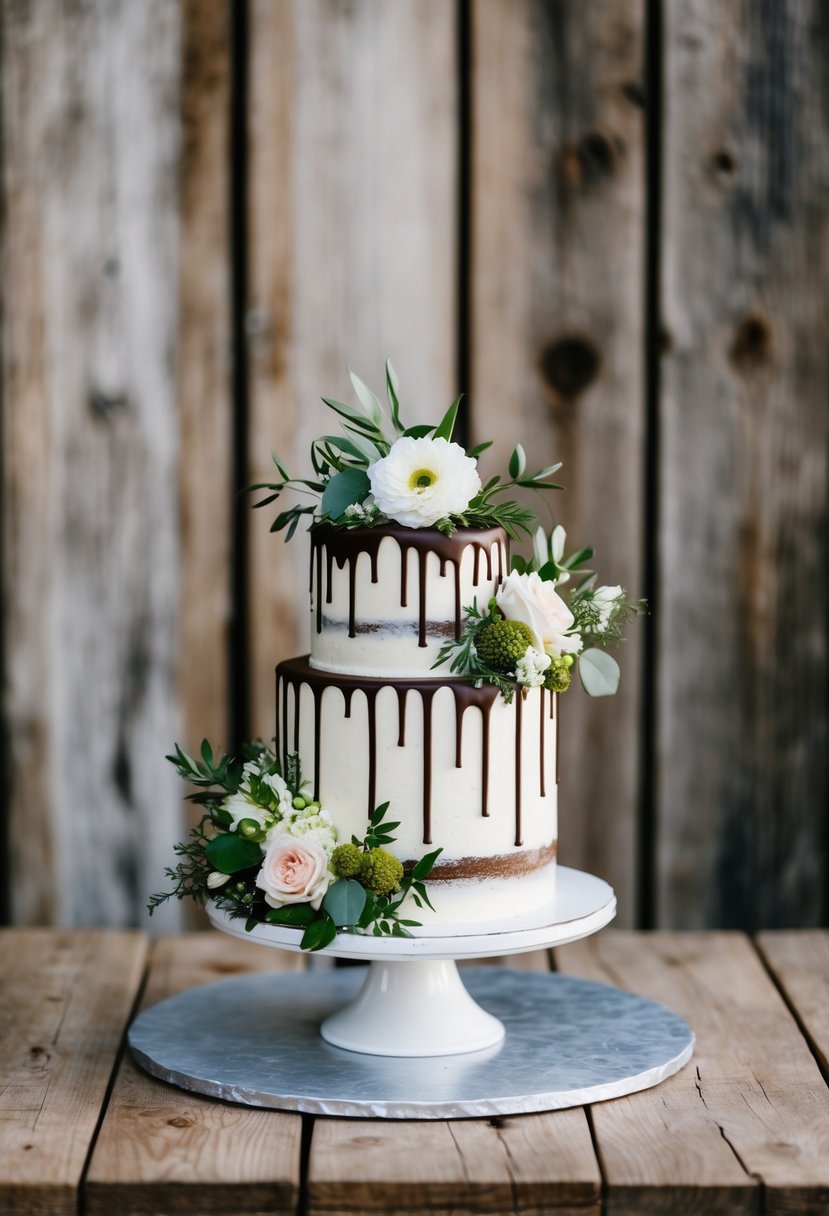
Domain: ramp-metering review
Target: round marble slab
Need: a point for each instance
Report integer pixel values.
(255, 1040)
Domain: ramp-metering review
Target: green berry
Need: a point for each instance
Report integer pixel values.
(380, 871)
(500, 644)
(250, 829)
(558, 677)
(299, 804)
(347, 860)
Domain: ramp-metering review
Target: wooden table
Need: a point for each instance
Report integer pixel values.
(743, 1129)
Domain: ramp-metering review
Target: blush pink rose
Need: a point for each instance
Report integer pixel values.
(531, 599)
(294, 872)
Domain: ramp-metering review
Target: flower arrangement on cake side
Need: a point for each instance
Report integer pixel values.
(380, 472)
(266, 851)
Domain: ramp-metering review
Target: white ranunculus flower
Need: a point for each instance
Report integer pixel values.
(239, 807)
(530, 669)
(529, 598)
(294, 872)
(423, 480)
(605, 600)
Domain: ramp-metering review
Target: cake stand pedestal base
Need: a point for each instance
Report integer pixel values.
(417, 1008)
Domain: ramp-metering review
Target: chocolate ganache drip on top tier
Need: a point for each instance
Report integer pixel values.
(340, 547)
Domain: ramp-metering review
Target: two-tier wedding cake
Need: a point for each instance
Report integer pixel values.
(413, 776)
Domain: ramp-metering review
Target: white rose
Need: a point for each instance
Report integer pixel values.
(294, 872)
(423, 480)
(528, 598)
(239, 807)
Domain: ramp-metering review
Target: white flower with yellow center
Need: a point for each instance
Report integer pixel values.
(423, 480)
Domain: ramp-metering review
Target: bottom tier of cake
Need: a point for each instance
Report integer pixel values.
(462, 771)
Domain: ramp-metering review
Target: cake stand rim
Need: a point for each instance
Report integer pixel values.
(489, 943)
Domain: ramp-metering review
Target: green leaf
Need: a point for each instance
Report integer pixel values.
(478, 448)
(598, 672)
(379, 813)
(320, 933)
(578, 558)
(367, 399)
(207, 753)
(344, 901)
(418, 432)
(250, 924)
(350, 486)
(353, 416)
(447, 423)
(393, 394)
(425, 864)
(517, 462)
(293, 914)
(229, 853)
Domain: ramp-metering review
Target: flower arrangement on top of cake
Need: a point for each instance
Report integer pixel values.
(379, 472)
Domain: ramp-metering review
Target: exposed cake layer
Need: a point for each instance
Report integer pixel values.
(461, 770)
(384, 600)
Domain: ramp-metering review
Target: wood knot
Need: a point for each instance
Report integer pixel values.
(180, 1121)
(498, 1121)
(634, 91)
(723, 163)
(569, 365)
(591, 160)
(104, 405)
(752, 343)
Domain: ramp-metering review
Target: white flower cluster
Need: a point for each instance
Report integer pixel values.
(296, 836)
(366, 511)
(530, 669)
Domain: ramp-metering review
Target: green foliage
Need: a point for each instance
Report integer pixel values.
(228, 853)
(462, 655)
(343, 490)
(344, 901)
(447, 423)
(558, 675)
(320, 933)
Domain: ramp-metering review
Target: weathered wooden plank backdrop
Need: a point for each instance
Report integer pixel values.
(608, 222)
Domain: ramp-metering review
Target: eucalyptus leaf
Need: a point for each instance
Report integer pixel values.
(229, 853)
(393, 394)
(344, 901)
(598, 672)
(344, 489)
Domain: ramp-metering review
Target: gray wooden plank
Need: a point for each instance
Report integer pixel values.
(556, 344)
(91, 560)
(352, 220)
(799, 961)
(741, 773)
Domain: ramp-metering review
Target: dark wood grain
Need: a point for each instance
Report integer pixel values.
(742, 608)
(557, 196)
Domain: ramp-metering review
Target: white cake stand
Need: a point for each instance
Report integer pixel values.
(413, 1001)
(337, 1042)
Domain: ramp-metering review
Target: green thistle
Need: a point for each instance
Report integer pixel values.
(500, 644)
(380, 872)
(558, 674)
(347, 860)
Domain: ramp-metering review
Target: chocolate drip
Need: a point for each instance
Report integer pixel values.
(402, 697)
(343, 546)
(428, 697)
(284, 722)
(541, 791)
(555, 695)
(297, 694)
(277, 716)
(317, 735)
(519, 708)
(296, 672)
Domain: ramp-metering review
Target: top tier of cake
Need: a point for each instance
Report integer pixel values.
(384, 600)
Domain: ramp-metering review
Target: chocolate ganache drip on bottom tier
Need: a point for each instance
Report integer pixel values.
(293, 674)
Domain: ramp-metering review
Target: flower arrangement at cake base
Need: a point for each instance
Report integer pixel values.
(266, 851)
